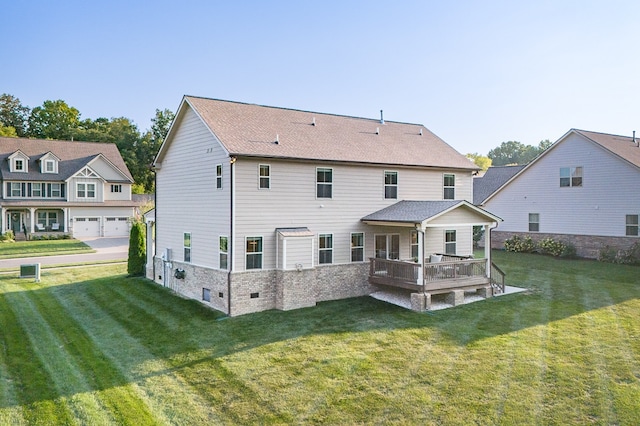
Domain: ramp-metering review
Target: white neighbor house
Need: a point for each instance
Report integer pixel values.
(77, 188)
(582, 190)
(270, 208)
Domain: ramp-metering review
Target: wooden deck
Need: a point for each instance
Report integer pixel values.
(453, 273)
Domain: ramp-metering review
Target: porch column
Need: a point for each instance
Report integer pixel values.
(3, 220)
(32, 224)
(150, 245)
(65, 224)
(421, 256)
(487, 248)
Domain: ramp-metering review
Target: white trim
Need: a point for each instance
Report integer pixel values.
(326, 249)
(351, 248)
(246, 253)
(384, 184)
(323, 183)
(268, 177)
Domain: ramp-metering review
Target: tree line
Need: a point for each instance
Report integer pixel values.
(509, 153)
(57, 120)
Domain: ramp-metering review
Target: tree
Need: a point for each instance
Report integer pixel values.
(13, 114)
(53, 120)
(137, 250)
(480, 160)
(8, 131)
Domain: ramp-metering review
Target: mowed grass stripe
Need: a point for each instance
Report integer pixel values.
(177, 346)
(32, 383)
(80, 364)
(170, 397)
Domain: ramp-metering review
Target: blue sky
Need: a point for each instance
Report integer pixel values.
(476, 73)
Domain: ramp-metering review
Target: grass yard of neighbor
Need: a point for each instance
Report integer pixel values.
(90, 346)
(10, 250)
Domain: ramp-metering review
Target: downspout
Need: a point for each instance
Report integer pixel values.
(487, 243)
(232, 161)
(155, 223)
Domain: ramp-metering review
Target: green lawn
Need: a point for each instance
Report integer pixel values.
(90, 346)
(42, 248)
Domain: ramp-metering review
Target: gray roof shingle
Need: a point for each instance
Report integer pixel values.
(493, 179)
(411, 211)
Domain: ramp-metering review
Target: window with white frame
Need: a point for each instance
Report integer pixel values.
(450, 242)
(86, 190)
(36, 189)
(632, 225)
(55, 190)
(570, 176)
(357, 246)
(390, 185)
(325, 248)
(324, 182)
(116, 188)
(49, 166)
(224, 252)
(414, 245)
(254, 253)
(387, 246)
(219, 176)
(16, 189)
(187, 246)
(534, 222)
(264, 176)
(18, 165)
(449, 184)
(47, 218)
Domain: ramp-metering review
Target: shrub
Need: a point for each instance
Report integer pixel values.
(519, 244)
(569, 250)
(551, 247)
(7, 236)
(137, 250)
(608, 254)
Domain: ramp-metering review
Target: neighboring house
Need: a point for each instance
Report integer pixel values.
(582, 190)
(493, 178)
(79, 188)
(261, 208)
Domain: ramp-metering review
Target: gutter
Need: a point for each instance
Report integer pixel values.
(232, 161)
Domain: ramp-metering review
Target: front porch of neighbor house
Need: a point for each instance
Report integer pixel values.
(432, 273)
(34, 220)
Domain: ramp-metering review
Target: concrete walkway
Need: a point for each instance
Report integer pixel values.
(107, 248)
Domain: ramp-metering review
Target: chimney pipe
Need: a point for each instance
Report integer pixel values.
(635, 142)
(381, 117)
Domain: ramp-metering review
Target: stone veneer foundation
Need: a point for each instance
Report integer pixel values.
(260, 290)
(587, 246)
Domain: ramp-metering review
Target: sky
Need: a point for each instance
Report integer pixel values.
(476, 73)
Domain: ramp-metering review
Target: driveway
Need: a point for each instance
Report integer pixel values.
(107, 248)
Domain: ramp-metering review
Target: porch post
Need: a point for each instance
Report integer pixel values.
(65, 226)
(487, 248)
(3, 220)
(150, 248)
(421, 256)
(32, 222)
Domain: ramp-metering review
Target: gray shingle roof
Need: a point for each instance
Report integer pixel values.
(493, 179)
(73, 156)
(411, 211)
(251, 130)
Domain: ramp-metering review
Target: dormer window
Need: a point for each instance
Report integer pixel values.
(49, 166)
(19, 162)
(49, 163)
(18, 165)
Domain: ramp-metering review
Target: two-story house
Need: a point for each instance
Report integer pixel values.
(261, 208)
(582, 190)
(79, 188)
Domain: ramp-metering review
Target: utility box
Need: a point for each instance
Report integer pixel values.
(31, 270)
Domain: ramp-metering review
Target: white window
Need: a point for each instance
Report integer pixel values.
(414, 245)
(187, 246)
(534, 222)
(254, 253)
(116, 188)
(449, 183)
(56, 190)
(632, 225)
(16, 189)
(224, 252)
(450, 242)
(219, 176)
(325, 248)
(86, 190)
(324, 182)
(49, 166)
(357, 246)
(18, 165)
(570, 176)
(390, 185)
(36, 189)
(264, 175)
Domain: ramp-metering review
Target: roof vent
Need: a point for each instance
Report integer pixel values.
(381, 117)
(377, 130)
(277, 139)
(313, 121)
(635, 141)
(420, 132)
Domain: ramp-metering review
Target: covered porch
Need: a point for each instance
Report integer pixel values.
(24, 221)
(452, 270)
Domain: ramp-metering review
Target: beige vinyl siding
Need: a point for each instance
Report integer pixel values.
(106, 170)
(435, 239)
(598, 207)
(298, 251)
(72, 190)
(187, 197)
(459, 215)
(124, 195)
(358, 190)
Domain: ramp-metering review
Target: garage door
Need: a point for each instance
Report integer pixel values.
(116, 227)
(86, 227)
